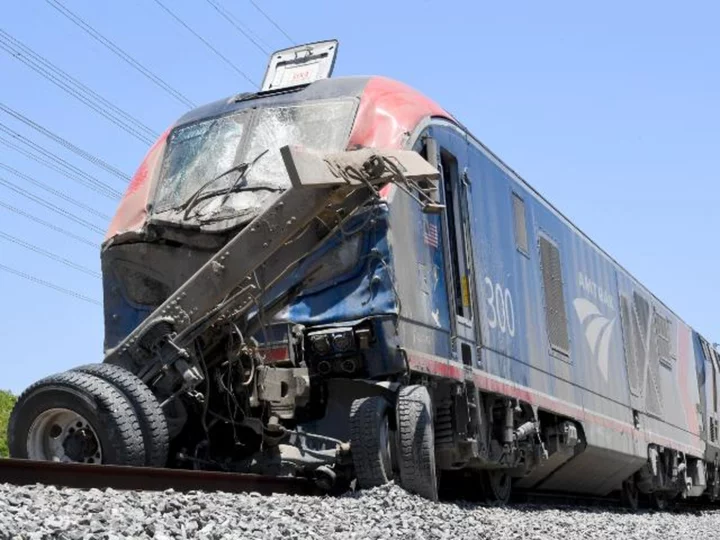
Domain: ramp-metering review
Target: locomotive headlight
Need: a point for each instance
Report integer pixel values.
(332, 341)
(343, 341)
(320, 343)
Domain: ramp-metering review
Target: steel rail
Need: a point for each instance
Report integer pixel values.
(76, 475)
(24, 472)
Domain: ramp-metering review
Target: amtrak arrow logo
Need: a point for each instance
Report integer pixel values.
(598, 331)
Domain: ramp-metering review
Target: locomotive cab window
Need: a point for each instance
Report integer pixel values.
(662, 333)
(521, 236)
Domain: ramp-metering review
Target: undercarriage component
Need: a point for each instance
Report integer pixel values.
(569, 434)
(661, 501)
(525, 431)
(77, 418)
(497, 487)
(370, 441)
(669, 474)
(416, 441)
(304, 457)
(713, 481)
(283, 389)
(629, 494)
(560, 446)
(150, 416)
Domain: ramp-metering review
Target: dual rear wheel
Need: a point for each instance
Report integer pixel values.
(387, 443)
(96, 414)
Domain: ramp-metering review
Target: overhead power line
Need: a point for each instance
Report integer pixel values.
(50, 206)
(49, 254)
(49, 285)
(207, 44)
(229, 17)
(60, 165)
(47, 224)
(75, 88)
(65, 197)
(67, 144)
(97, 36)
(272, 21)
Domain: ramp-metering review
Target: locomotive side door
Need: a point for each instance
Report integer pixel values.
(450, 152)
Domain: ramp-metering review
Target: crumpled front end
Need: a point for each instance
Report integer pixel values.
(345, 301)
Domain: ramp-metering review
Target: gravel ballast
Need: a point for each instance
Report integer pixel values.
(38, 512)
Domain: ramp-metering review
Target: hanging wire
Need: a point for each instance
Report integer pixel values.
(59, 194)
(272, 21)
(53, 208)
(47, 224)
(49, 254)
(67, 144)
(207, 43)
(112, 46)
(49, 285)
(229, 17)
(75, 88)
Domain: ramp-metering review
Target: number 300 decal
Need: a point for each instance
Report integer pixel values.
(501, 312)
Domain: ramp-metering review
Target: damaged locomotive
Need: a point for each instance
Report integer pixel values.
(332, 278)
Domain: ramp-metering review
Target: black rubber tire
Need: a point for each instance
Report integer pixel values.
(368, 419)
(106, 409)
(152, 419)
(416, 437)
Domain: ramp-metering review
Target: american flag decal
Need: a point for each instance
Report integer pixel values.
(430, 234)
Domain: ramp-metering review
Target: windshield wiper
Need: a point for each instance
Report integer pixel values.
(242, 176)
(242, 168)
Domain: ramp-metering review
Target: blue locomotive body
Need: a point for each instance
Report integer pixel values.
(504, 291)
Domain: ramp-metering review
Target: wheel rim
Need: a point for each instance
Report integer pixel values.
(385, 451)
(661, 501)
(65, 436)
(500, 485)
(631, 494)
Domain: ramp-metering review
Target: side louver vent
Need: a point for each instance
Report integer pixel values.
(555, 314)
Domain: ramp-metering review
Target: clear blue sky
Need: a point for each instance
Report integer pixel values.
(611, 109)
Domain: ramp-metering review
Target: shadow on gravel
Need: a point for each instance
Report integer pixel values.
(464, 491)
(570, 503)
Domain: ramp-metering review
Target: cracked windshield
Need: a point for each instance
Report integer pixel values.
(222, 169)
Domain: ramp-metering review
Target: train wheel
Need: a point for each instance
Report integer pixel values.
(714, 485)
(416, 440)
(75, 417)
(497, 486)
(630, 494)
(151, 417)
(660, 501)
(370, 441)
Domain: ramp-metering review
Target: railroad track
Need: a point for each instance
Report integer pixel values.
(75, 475)
(27, 472)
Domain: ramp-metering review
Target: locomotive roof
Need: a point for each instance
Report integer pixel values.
(323, 89)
